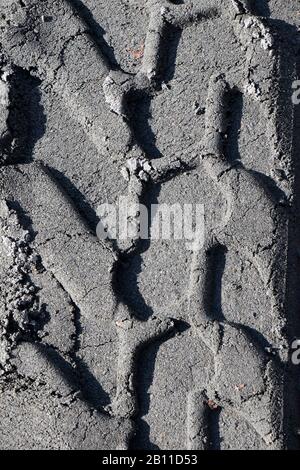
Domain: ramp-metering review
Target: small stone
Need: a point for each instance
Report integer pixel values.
(34, 259)
(143, 176)
(279, 174)
(137, 53)
(46, 19)
(132, 165)
(165, 86)
(125, 173)
(198, 110)
(212, 404)
(147, 167)
(240, 387)
(248, 22)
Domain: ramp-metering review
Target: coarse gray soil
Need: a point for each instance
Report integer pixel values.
(149, 344)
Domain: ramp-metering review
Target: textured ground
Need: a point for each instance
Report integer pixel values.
(147, 344)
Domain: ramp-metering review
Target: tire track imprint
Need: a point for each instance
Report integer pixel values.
(247, 194)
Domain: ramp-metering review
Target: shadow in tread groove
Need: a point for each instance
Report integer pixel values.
(168, 53)
(292, 388)
(216, 265)
(78, 200)
(139, 105)
(231, 147)
(26, 120)
(96, 32)
(80, 379)
(144, 379)
(260, 8)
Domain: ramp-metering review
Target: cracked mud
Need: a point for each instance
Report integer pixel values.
(144, 344)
